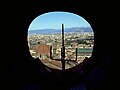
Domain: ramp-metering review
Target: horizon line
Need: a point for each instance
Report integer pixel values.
(59, 28)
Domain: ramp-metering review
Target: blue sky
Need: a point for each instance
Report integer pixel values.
(53, 20)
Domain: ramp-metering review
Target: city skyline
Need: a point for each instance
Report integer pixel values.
(53, 20)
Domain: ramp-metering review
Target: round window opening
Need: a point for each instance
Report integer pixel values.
(60, 39)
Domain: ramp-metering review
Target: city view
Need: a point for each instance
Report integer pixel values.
(47, 43)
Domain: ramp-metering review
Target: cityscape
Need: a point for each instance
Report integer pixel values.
(39, 47)
(45, 39)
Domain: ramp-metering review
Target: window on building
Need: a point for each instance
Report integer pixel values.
(45, 39)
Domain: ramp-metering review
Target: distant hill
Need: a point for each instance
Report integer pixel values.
(79, 29)
(53, 31)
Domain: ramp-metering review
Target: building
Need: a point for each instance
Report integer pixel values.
(43, 51)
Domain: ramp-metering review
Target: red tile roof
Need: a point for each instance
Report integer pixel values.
(43, 49)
